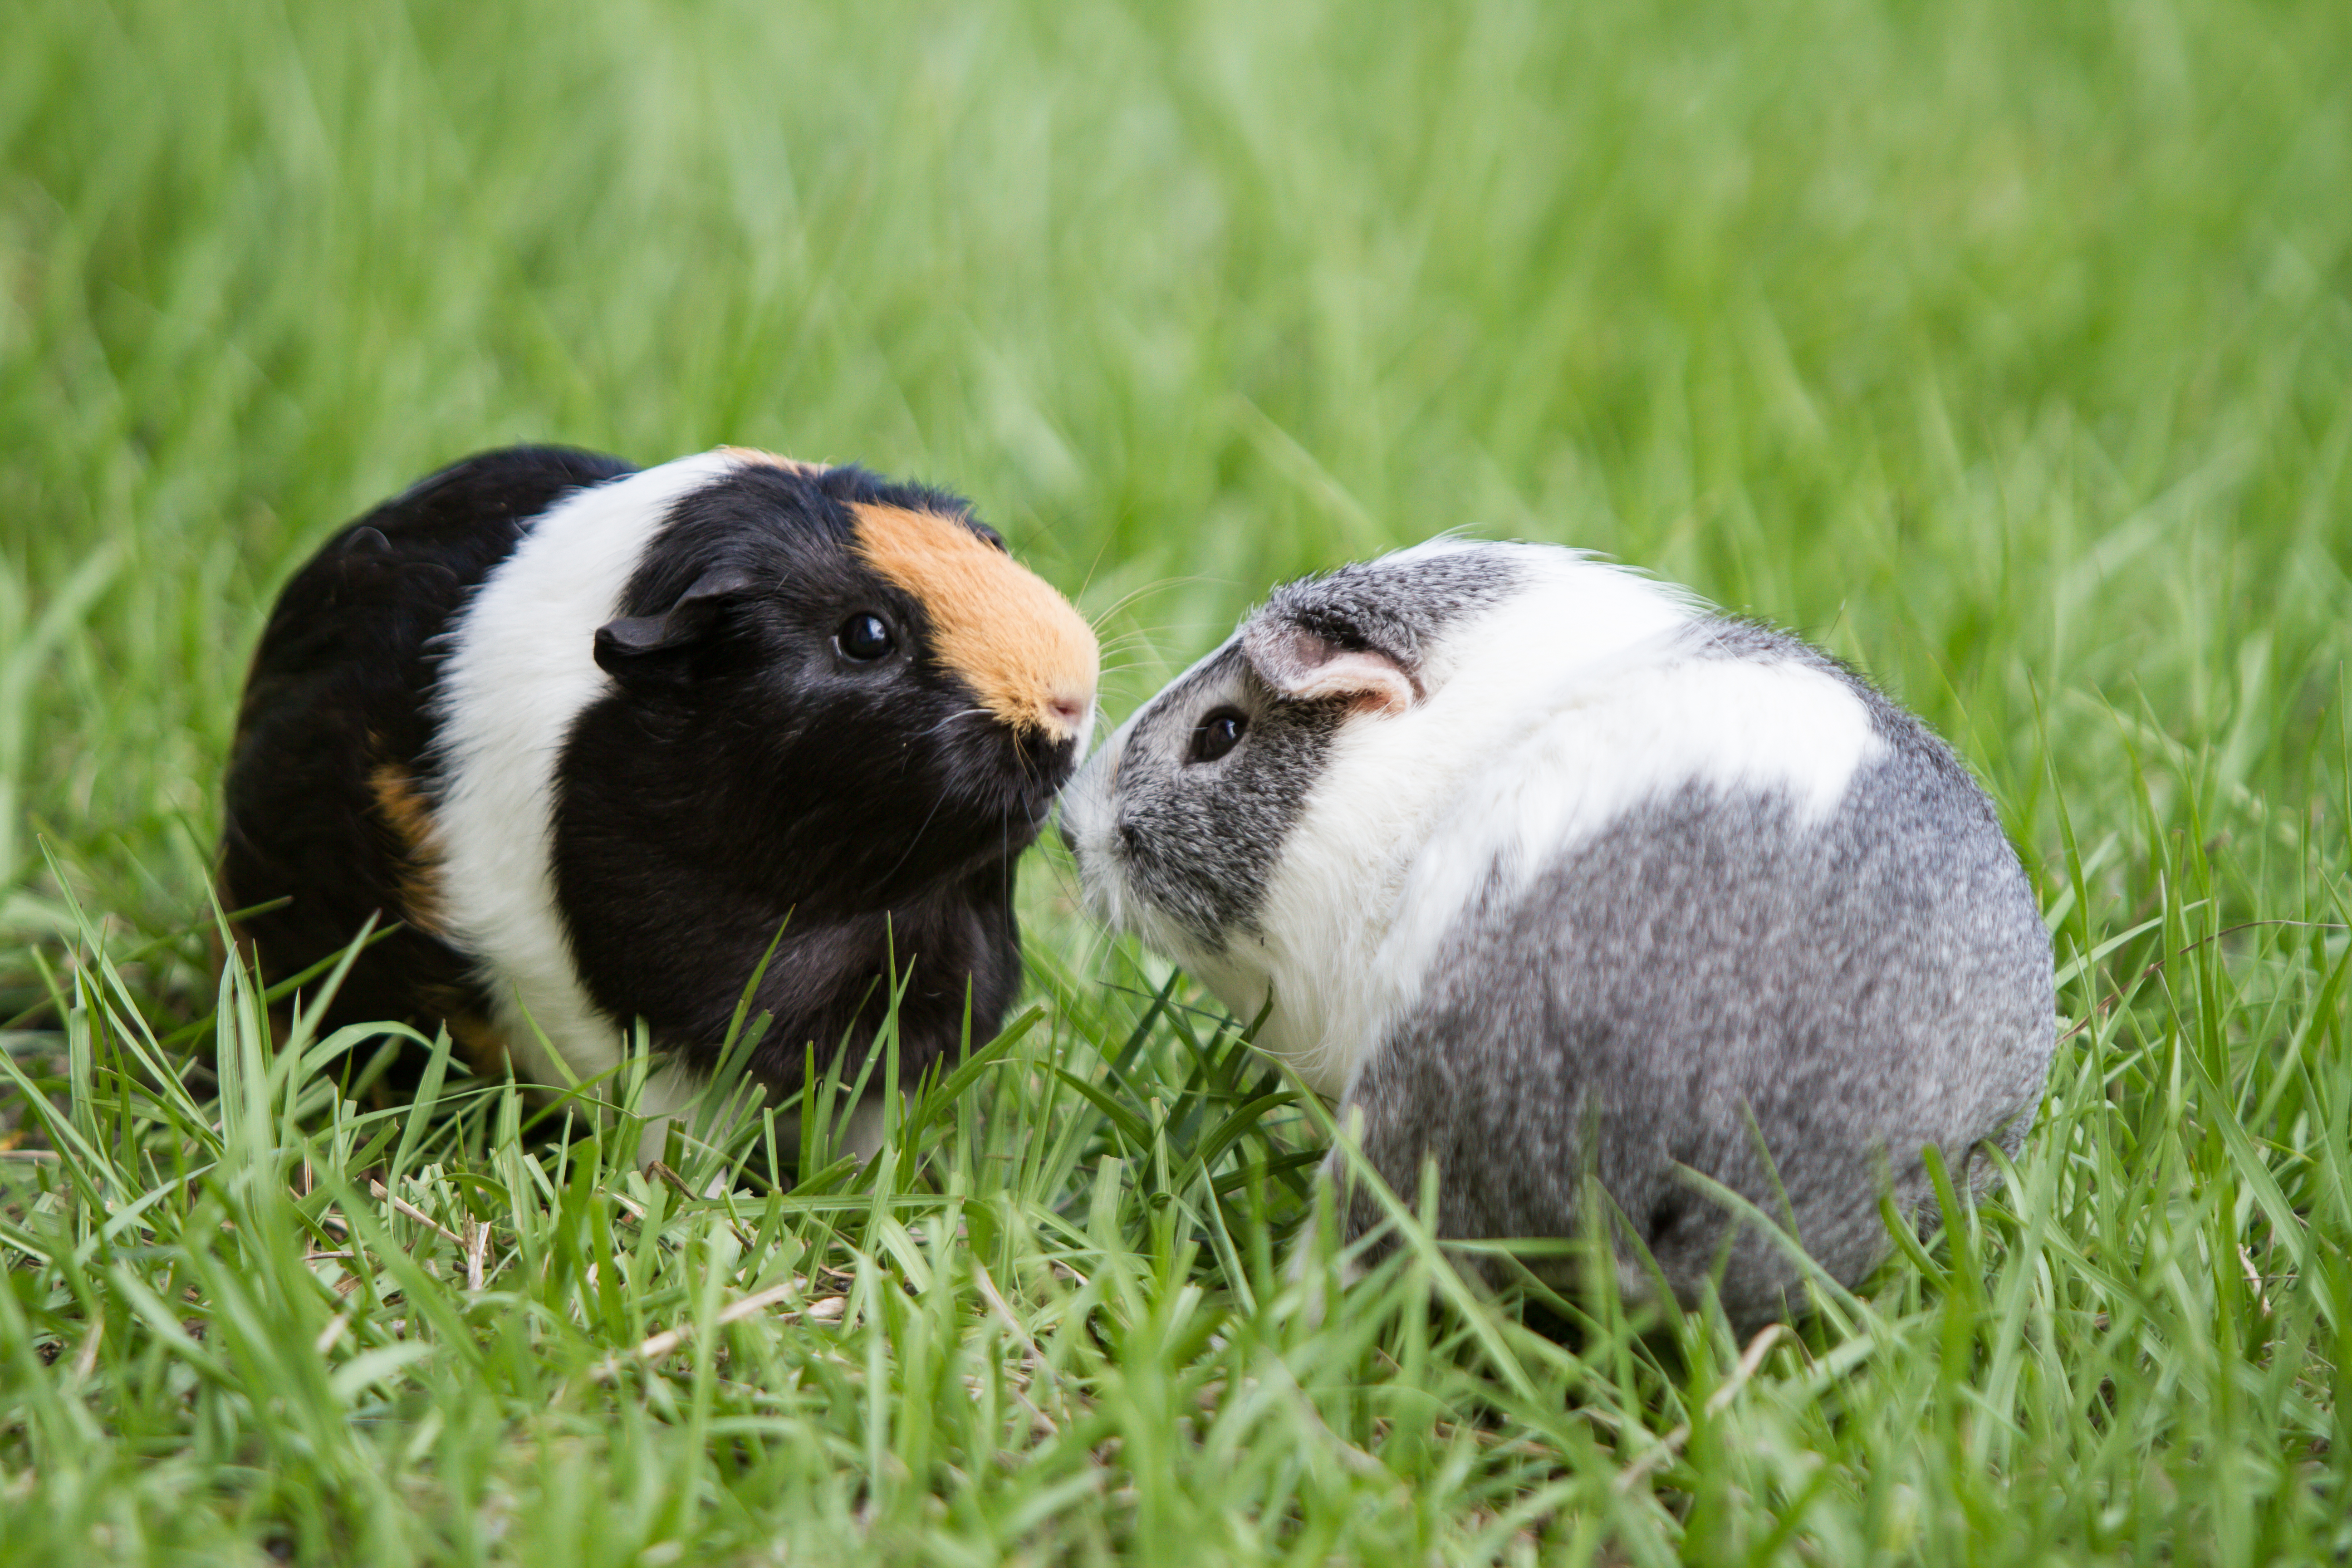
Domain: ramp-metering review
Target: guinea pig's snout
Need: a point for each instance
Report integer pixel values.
(1051, 740)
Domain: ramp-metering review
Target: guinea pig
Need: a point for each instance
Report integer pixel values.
(594, 736)
(1546, 873)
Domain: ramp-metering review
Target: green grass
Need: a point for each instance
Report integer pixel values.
(2004, 348)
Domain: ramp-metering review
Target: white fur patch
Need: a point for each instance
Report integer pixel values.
(521, 666)
(1546, 717)
(1391, 783)
(1633, 732)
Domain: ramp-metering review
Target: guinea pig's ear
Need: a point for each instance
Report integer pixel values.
(648, 651)
(1304, 665)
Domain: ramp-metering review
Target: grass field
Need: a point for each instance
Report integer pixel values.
(2006, 349)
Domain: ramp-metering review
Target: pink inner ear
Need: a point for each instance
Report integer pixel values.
(1298, 664)
(1372, 679)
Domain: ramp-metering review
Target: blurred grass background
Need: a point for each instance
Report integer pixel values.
(2006, 349)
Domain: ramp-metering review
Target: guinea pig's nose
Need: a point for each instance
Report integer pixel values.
(1068, 711)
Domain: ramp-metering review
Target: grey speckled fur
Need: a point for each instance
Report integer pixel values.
(1400, 607)
(1205, 856)
(1707, 972)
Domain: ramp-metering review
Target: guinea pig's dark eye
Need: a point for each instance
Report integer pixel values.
(863, 638)
(1218, 733)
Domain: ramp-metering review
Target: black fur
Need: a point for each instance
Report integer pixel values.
(764, 782)
(738, 776)
(337, 690)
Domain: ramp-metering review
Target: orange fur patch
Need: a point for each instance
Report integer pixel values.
(1000, 625)
(411, 820)
(771, 460)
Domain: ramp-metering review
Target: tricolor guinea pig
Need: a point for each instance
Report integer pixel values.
(1549, 874)
(594, 736)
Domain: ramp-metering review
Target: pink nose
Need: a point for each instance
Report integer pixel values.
(1067, 712)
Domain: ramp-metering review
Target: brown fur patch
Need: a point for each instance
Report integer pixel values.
(769, 460)
(1000, 625)
(411, 820)
(476, 1040)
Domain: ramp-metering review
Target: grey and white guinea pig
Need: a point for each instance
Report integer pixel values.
(1550, 873)
(593, 735)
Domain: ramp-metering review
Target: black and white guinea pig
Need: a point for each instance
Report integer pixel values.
(1549, 872)
(593, 736)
